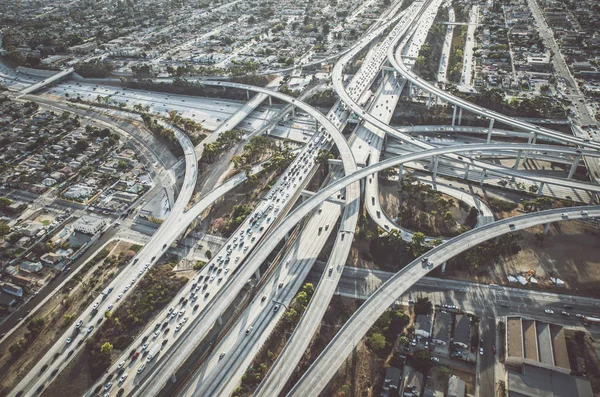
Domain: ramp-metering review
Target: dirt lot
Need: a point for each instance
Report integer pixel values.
(569, 251)
(58, 314)
(390, 203)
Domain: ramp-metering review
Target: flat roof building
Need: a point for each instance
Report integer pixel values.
(441, 328)
(89, 224)
(423, 325)
(456, 387)
(462, 330)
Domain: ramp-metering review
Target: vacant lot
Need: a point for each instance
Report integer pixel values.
(569, 251)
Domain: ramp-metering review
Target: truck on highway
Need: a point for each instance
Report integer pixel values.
(591, 320)
(153, 352)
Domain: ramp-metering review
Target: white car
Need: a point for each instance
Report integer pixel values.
(481, 351)
(548, 311)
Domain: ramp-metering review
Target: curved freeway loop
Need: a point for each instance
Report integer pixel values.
(325, 366)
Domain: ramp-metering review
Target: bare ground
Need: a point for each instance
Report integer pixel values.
(390, 202)
(569, 251)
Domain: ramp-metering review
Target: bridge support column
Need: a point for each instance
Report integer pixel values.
(443, 267)
(546, 228)
(257, 274)
(525, 153)
(316, 126)
(223, 88)
(460, 116)
(220, 320)
(400, 173)
(247, 94)
(435, 168)
(592, 198)
(270, 101)
(293, 111)
(383, 73)
(454, 116)
(489, 134)
(173, 378)
(574, 167)
(467, 171)
(519, 153)
(540, 188)
(483, 175)
(429, 101)
(410, 89)
(534, 138)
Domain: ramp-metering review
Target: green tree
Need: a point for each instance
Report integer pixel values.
(421, 360)
(4, 229)
(291, 315)
(377, 342)
(106, 348)
(423, 306)
(4, 202)
(81, 145)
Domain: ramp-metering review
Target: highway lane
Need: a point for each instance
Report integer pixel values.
(326, 365)
(270, 241)
(467, 72)
(445, 56)
(225, 293)
(89, 318)
(222, 371)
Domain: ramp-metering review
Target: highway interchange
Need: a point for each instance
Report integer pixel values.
(224, 277)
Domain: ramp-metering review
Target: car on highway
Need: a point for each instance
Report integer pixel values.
(249, 330)
(494, 349)
(141, 369)
(90, 329)
(121, 365)
(548, 311)
(79, 324)
(435, 359)
(481, 351)
(69, 340)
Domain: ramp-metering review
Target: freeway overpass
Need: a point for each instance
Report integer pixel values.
(47, 81)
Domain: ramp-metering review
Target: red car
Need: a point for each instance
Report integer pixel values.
(494, 349)
(135, 355)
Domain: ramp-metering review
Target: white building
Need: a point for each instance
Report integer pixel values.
(89, 224)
